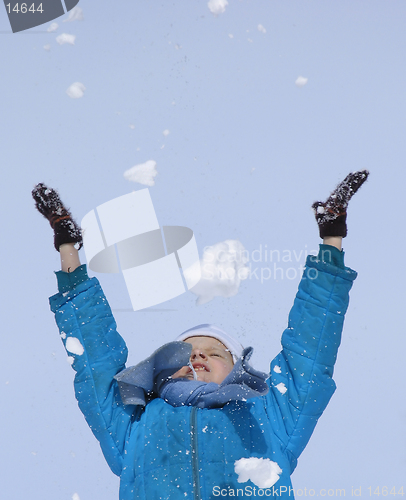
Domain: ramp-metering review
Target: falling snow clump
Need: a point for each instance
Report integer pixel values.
(76, 90)
(74, 346)
(261, 28)
(261, 471)
(301, 81)
(76, 14)
(217, 7)
(143, 173)
(281, 388)
(66, 38)
(222, 269)
(52, 27)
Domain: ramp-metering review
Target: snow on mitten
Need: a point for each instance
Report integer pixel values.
(49, 204)
(331, 215)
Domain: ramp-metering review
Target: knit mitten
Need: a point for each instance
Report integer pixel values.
(331, 215)
(49, 204)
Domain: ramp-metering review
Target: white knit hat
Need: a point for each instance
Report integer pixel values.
(207, 330)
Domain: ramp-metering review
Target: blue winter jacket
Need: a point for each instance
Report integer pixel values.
(163, 452)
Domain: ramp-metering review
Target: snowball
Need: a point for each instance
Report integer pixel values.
(320, 210)
(74, 346)
(76, 14)
(76, 90)
(166, 132)
(143, 173)
(301, 81)
(222, 268)
(217, 6)
(52, 27)
(281, 388)
(261, 28)
(277, 369)
(75, 496)
(261, 471)
(47, 47)
(66, 38)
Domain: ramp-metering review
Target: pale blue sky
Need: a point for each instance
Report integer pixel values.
(247, 154)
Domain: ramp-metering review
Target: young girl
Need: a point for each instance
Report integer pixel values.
(193, 418)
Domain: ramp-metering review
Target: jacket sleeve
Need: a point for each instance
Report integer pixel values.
(301, 383)
(97, 352)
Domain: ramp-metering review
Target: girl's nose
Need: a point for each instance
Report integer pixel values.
(197, 353)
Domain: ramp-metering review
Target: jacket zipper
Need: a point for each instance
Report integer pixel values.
(195, 450)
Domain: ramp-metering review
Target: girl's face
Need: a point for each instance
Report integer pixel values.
(211, 360)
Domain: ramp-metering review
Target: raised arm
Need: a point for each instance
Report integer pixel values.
(88, 331)
(301, 375)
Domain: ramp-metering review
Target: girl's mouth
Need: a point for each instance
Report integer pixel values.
(200, 367)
